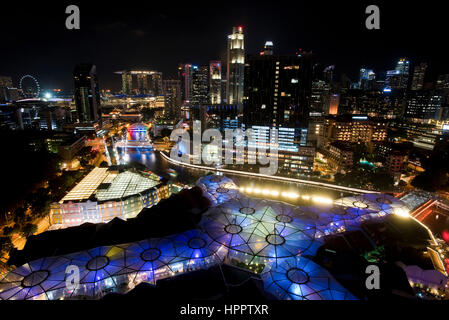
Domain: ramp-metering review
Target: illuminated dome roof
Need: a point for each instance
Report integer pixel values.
(258, 231)
(263, 236)
(378, 202)
(218, 189)
(299, 278)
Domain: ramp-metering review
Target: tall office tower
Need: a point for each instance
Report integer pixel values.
(127, 83)
(224, 85)
(328, 73)
(172, 95)
(319, 100)
(155, 83)
(235, 66)
(367, 79)
(142, 83)
(185, 75)
(398, 78)
(215, 82)
(200, 85)
(418, 76)
(278, 90)
(86, 93)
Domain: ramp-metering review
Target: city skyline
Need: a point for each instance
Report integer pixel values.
(264, 150)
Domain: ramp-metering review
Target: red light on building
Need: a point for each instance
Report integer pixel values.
(445, 235)
(240, 28)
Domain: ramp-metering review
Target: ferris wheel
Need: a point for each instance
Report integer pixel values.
(29, 86)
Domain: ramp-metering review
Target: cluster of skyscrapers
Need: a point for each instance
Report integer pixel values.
(301, 98)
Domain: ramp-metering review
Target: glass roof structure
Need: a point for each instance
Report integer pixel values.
(299, 278)
(255, 230)
(125, 184)
(379, 202)
(218, 189)
(87, 186)
(267, 237)
(108, 268)
(107, 185)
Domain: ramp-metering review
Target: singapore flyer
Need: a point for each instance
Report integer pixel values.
(29, 86)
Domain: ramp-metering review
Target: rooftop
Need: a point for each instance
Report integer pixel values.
(105, 184)
(275, 240)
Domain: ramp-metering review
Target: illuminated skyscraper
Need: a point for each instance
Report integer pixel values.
(418, 76)
(367, 78)
(127, 83)
(172, 95)
(278, 90)
(185, 75)
(141, 82)
(236, 66)
(398, 78)
(215, 82)
(87, 93)
(155, 84)
(200, 85)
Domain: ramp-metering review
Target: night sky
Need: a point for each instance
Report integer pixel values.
(116, 35)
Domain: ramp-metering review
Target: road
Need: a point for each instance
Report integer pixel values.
(268, 177)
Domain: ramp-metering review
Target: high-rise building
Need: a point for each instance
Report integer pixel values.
(185, 75)
(319, 102)
(235, 66)
(278, 90)
(424, 105)
(127, 83)
(367, 79)
(418, 76)
(328, 74)
(267, 48)
(141, 82)
(398, 78)
(200, 85)
(172, 95)
(87, 93)
(442, 82)
(215, 82)
(333, 104)
(155, 84)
